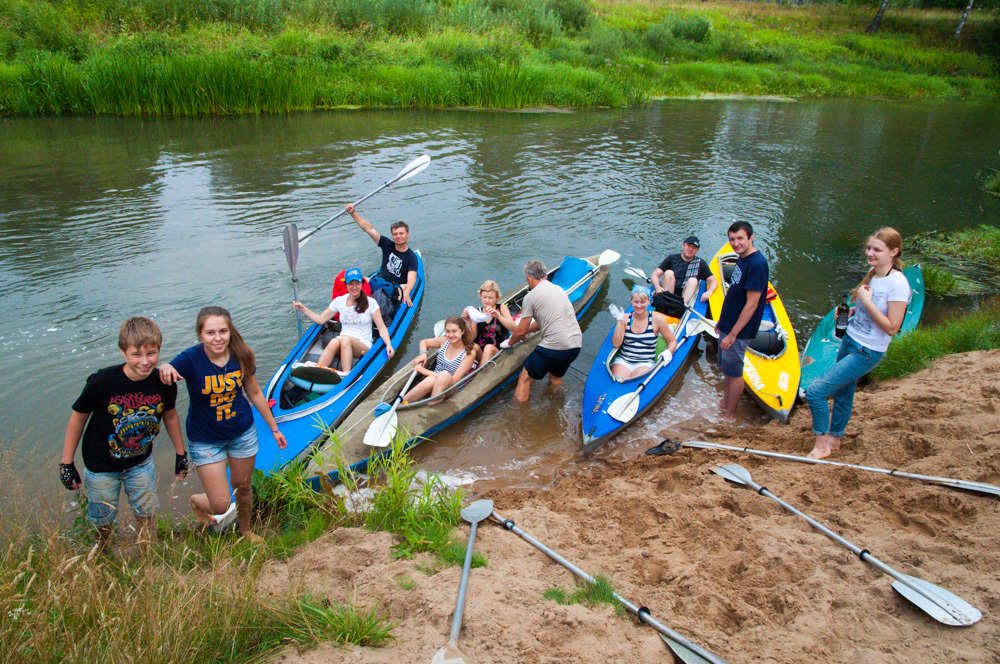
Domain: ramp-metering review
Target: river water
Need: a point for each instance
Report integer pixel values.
(103, 218)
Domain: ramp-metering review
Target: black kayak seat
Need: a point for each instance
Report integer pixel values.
(727, 271)
(768, 343)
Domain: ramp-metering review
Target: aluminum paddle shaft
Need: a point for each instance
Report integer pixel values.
(965, 485)
(936, 602)
(693, 653)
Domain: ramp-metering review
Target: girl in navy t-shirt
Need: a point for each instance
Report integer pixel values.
(220, 425)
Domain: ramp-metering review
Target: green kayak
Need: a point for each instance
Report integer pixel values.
(821, 351)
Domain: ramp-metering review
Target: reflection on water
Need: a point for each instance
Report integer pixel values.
(103, 218)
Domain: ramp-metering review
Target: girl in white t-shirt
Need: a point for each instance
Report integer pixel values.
(882, 298)
(357, 313)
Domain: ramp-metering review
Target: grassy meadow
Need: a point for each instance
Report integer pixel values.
(198, 57)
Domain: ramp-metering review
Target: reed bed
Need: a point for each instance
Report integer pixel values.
(199, 57)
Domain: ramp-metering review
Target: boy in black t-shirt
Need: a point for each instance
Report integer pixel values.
(121, 407)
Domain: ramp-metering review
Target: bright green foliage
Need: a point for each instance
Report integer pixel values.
(591, 594)
(916, 350)
(939, 282)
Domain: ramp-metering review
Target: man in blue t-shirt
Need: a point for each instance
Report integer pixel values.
(741, 312)
(399, 262)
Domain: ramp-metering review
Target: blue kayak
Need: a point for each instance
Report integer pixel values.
(821, 352)
(603, 388)
(304, 419)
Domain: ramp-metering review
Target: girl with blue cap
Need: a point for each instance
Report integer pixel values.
(357, 313)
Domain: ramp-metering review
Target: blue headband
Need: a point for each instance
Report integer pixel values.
(638, 288)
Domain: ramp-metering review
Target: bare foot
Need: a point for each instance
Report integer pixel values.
(721, 406)
(252, 537)
(820, 451)
(834, 444)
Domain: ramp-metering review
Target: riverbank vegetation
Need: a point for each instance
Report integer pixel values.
(196, 57)
(918, 349)
(195, 597)
(962, 262)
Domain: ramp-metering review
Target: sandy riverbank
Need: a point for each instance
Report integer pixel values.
(725, 567)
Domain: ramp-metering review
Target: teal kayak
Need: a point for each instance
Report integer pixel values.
(821, 352)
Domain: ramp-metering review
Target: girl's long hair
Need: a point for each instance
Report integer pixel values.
(361, 304)
(893, 240)
(468, 338)
(244, 355)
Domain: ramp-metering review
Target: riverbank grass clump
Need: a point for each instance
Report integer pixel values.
(918, 349)
(201, 57)
(590, 594)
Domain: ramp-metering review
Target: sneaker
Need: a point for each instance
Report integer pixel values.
(225, 520)
(666, 447)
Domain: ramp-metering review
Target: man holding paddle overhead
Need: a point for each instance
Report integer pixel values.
(741, 313)
(679, 273)
(546, 308)
(399, 262)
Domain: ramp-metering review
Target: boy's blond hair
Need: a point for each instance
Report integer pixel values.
(137, 332)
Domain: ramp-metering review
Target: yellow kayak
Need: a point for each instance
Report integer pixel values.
(771, 366)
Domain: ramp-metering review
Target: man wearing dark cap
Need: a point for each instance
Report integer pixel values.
(681, 272)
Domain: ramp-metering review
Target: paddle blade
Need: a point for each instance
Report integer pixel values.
(290, 238)
(683, 653)
(734, 473)
(381, 431)
(439, 328)
(412, 168)
(607, 257)
(625, 407)
(477, 511)
(697, 326)
(938, 603)
(637, 273)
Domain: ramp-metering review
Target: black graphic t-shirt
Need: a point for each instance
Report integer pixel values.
(395, 265)
(125, 416)
(680, 267)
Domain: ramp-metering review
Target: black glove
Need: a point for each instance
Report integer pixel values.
(69, 477)
(181, 464)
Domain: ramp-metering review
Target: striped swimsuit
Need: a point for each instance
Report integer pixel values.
(444, 364)
(639, 348)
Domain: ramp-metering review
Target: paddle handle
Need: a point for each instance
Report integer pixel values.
(640, 612)
(456, 622)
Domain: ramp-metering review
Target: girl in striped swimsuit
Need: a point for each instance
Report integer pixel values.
(636, 334)
(453, 361)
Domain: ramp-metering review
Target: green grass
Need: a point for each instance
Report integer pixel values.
(222, 57)
(590, 594)
(978, 243)
(939, 282)
(991, 181)
(918, 349)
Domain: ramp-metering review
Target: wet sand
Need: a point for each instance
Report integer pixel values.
(725, 567)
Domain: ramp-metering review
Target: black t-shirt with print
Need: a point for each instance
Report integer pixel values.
(125, 416)
(395, 265)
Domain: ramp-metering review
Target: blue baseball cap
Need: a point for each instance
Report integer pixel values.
(353, 274)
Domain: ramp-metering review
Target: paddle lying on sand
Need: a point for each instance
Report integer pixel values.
(450, 654)
(382, 429)
(936, 602)
(708, 325)
(408, 171)
(978, 487)
(290, 238)
(689, 652)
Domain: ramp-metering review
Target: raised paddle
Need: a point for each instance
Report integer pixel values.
(408, 171)
(706, 325)
(965, 485)
(290, 238)
(450, 654)
(381, 431)
(936, 602)
(689, 652)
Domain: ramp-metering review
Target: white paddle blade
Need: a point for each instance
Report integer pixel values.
(734, 473)
(290, 238)
(637, 273)
(450, 654)
(625, 407)
(697, 326)
(938, 603)
(412, 168)
(607, 257)
(439, 328)
(381, 432)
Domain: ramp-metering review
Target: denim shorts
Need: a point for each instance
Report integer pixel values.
(731, 360)
(546, 361)
(242, 446)
(103, 490)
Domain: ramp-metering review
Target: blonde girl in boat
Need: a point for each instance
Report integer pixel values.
(636, 335)
(493, 325)
(218, 371)
(881, 301)
(453, 361)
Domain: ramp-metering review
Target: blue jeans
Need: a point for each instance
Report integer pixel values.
(103, 490)
(839, 382)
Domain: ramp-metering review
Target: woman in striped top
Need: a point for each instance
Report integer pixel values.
(453, 361)
(636, 334)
